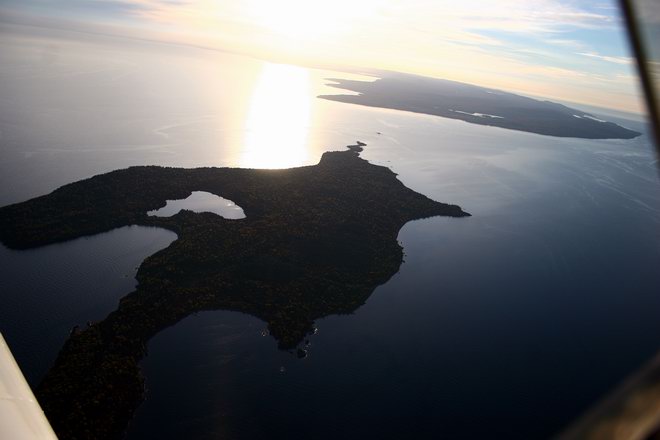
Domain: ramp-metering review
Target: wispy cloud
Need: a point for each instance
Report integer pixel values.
(609, 59)
(544, 46)
(562, 42)
(519, 16)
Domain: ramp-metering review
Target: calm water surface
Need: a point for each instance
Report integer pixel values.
(46, 291)
(201, 201)
(507, 324)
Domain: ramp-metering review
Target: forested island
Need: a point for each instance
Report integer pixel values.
(316, 240)
(477, 105)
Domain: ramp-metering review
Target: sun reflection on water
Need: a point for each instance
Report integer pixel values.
(277, 124)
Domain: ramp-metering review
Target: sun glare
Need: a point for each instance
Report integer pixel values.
(308, 19)
(277, 124)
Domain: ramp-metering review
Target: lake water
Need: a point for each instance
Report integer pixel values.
(201, 201)
(45, 292)
(549, 292)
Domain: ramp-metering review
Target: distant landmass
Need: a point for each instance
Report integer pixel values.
(477, 105)
(316, 241)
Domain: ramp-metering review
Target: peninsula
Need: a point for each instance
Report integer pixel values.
(476, 105)
(316, 240)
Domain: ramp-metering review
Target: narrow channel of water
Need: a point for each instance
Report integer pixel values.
(46, 291)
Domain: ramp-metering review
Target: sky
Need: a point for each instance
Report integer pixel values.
(569, 50)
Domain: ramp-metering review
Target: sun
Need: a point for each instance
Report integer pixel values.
(308, 19)
(294, 18)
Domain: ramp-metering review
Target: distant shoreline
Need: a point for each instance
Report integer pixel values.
(476, 105)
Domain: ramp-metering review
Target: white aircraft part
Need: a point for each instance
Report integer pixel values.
(21, 417)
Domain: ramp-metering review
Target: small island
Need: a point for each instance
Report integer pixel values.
(476, 105)
(316, 240)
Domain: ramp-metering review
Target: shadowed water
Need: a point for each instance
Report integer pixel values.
(47, 291)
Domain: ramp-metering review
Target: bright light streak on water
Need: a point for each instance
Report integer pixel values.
(277, 125)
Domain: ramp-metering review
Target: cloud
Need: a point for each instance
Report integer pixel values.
(574, 44)
(469, 16)
(609, 59)
(102, 8)
(512, 16)
(536, 45)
